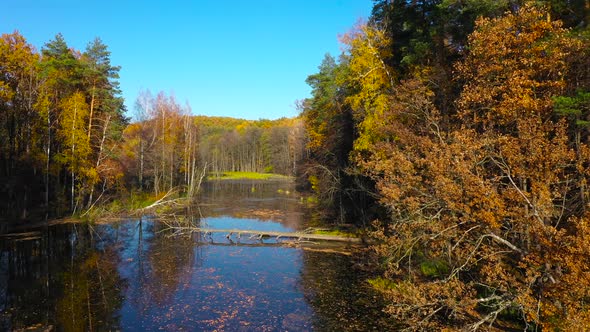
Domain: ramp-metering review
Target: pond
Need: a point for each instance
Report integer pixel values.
(136, 275)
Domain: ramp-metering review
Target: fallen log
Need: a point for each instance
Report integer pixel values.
(263, 234)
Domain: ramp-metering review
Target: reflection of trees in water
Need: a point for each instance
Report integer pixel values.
(251, 199)
(171, 261)
(25, 280)
(91, 294)
(57, 279)
(339, 295)
(163, 264)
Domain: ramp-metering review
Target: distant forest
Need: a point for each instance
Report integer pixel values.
(168, 147)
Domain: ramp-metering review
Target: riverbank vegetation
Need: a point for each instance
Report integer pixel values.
(60, 116)
(462, 128)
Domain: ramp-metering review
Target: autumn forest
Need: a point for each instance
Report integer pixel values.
(70, 145)
(455, 135)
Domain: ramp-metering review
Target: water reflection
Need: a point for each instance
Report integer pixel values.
(341, 298)
(262, 200)
(136, 276)
(57, 278)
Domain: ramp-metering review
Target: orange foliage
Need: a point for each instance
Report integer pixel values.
(488, 218)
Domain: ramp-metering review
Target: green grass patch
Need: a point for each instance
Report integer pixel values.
(139, 200)
(126, 203)
(247, 176)
(434, 268)
(382, 284)
(334, 232)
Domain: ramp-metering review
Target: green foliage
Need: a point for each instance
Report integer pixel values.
(139, 200)
(122, 205)
(575, 108)
(566, 106)
(434, 268)
(246, 176)
(382, 284)
(330, 125)
(334, 232)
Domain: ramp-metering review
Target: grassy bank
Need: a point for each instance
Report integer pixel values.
(134, 204)
(247, 176)
(335, 232)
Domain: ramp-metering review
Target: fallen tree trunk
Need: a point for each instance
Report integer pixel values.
(263, 234)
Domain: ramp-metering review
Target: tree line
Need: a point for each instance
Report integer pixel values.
(60, 114)
(264, 146)
(168, 147)
(460, 128)
(67, 145)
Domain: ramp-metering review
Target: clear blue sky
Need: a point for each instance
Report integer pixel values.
(246, 59)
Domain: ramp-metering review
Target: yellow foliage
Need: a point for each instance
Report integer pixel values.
(368, 49)
(515, 63)
(72, 131)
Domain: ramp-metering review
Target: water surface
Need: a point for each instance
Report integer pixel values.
(135, 275)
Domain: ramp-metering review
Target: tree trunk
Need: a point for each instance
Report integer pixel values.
(48, 155)
(99, 158)
(91, 111)
(73, 152)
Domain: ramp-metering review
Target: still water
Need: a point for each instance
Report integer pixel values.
(137, 275)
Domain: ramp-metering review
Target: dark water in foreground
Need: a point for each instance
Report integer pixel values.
(136, 275)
